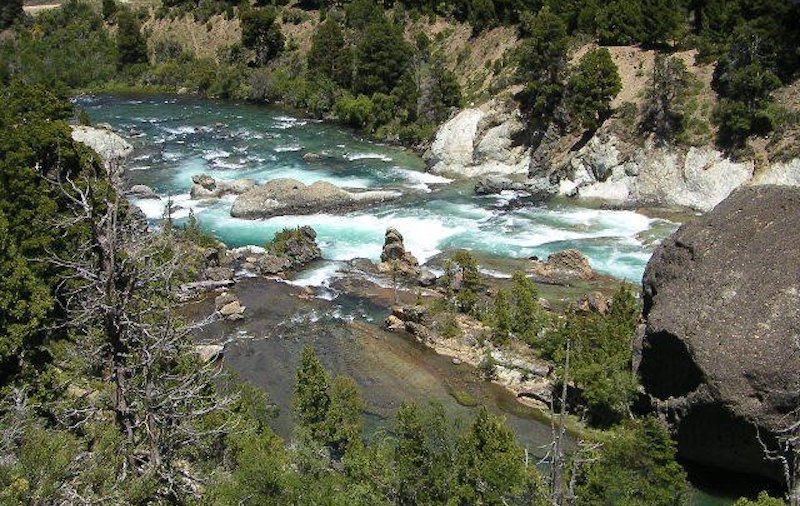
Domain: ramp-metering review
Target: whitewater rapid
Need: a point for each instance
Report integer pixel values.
(180, 138)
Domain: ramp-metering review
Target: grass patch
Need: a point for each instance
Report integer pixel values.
(464, 398)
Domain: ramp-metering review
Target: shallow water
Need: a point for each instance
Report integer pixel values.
(183, 137)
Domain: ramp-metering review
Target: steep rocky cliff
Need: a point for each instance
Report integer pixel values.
(618, 163)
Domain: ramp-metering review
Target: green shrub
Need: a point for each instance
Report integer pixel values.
(635, 465)
(356, 112)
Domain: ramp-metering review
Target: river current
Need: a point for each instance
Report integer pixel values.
(182, 137)
(176, 138)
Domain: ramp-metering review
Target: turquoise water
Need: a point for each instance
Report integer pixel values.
(181, 137)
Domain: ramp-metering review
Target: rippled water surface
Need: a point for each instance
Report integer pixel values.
(182, 137)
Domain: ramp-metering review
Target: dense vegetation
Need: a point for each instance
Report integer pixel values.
(364, 70)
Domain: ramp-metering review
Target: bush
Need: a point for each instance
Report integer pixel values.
(356, 112)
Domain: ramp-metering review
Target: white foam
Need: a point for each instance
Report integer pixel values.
(287, 149)
(420, 180)
(367, 156)
(183, 130)
(220, 164)
(494, 274)
(215, 153)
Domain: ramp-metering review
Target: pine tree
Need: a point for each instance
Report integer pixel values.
(312, 398)
(501, 316)
(262, 34)
(592, 84)
(528, 316)
(10, 12)
(382, 57)
(491, 465)
(665, 98)
(345, 417)
(329, 55)
(542, 67)
(131, 45)
(636, 465)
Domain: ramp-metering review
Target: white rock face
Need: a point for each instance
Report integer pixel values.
(699, 179)
(111, 147)
(780, 173)
(454, 143)
(464, 147)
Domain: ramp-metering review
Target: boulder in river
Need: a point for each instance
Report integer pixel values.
(141, 191)
(112, 148)
(206, 187)
(291, 249)
(569, 263)
(494, 184)
(720, 355)
(284, 196)
(394, 257)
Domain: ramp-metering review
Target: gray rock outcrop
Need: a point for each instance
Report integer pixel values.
(291, 250)
(206, 187)
(395, 258)
(720, 356)
(141, 191)
(569, 263)
(112, 148)
(607, 168)
(288, 196)
(229, 307)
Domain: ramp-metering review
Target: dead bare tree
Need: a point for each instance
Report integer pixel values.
(565, 469)
(120, 296)
(785, 450)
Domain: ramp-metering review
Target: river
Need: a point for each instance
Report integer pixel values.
(179, 137)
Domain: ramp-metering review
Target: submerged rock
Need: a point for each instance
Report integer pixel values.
(288, 196)
(494, 184)
(209, 352)
(228, 306)
(719, 356)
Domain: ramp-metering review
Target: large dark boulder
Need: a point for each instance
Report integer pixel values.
(720, 355)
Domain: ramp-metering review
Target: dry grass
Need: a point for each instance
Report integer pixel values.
(203, 39)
